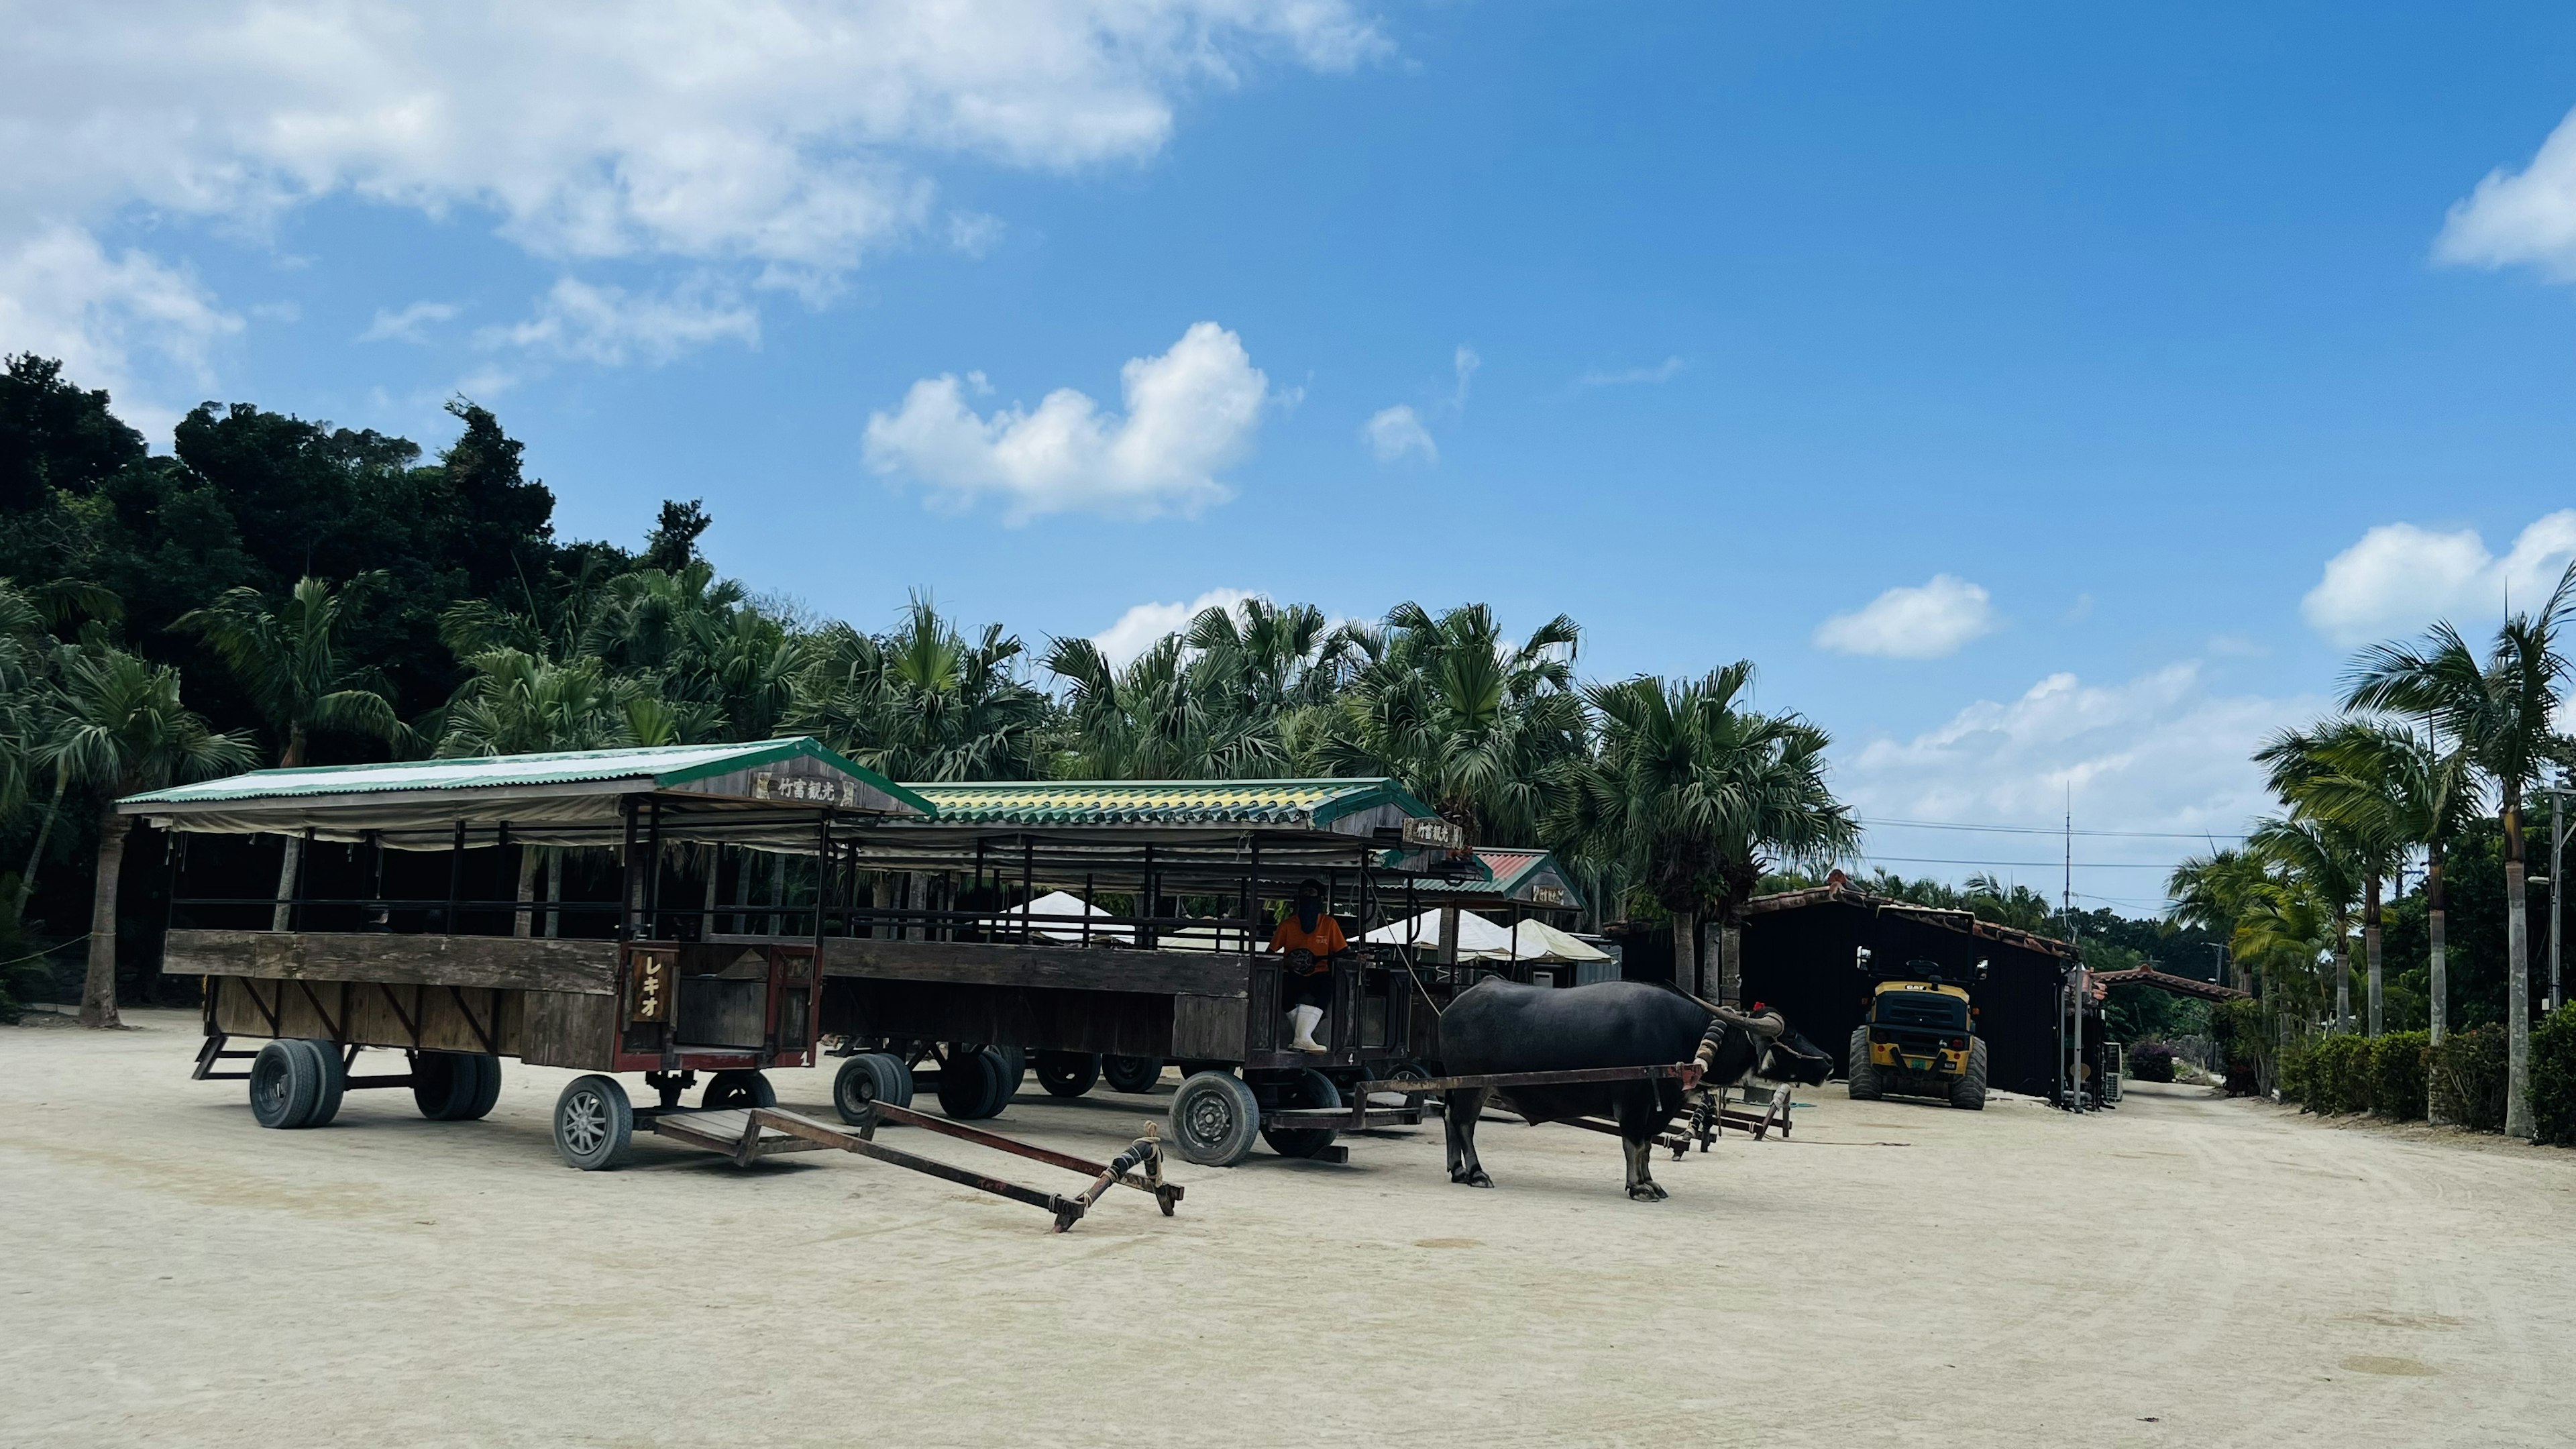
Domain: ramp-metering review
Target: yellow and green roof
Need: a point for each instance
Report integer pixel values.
(1281, 804)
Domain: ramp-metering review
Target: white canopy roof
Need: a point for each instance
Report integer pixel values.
(1482, 940)
(1065, 904)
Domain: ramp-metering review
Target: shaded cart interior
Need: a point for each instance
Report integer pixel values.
(417, 918)
(1106, 928)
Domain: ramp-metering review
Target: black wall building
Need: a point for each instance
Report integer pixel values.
(1798, 957)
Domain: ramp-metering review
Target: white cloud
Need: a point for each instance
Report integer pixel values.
(1465, 363)
(1144, 626)
(2528, 217)
(408, 325)
(1191, 413)
(1912, 623)
(606, 325)
(2400, 578)
(1662, 372)
(787, 138)
(2157, 753)
(123, 323)
(1396, 432)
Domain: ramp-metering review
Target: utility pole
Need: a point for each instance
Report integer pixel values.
(2557, 849)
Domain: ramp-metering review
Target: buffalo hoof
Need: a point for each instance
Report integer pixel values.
(1648, 1192)
(1476, 1178)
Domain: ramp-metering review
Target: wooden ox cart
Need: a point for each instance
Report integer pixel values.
(562, 909)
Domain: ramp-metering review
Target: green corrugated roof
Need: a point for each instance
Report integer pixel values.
(1292, 803)
(650, 767)
(1507, 872)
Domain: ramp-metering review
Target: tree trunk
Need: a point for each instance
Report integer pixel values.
(524, 924)
(2517, 948)
(1730, 964)
(98, 992)
(2343, 983)
(554, 891)
(36, 856)
(1448, 954)
(1686, 953)
(2435, 917)
(2370, 949)
(283, 917)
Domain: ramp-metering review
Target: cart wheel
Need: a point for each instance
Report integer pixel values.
(334, 1078)
(739, 1089)
(1408, 1072)
(975, 1085)
(1015, 1070)
(593, 1123)
(869, 1078)
(455, 1086)
(284, 1080)
(1067, 1074)
(1970, 1090)
(1215, 1119)
(1132, 1074)
(1309, 1088)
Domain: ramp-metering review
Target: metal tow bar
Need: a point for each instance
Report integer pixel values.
(1420, 1086)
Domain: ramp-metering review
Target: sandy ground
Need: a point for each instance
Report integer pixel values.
(2182, 1271)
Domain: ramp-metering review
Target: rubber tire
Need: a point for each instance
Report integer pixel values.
(1862, 1074)
(1215, 1119)
(1067, 1074)
(611, 1118)
(1132, 1074)
(455, 1086)
(870, 1077)
(334, 1078)
(1310, 1088)
(1409, 1071)
(975, 1086)
(1015, 1070)
(283, 1083)
(738, 1089)
(1969, 1093)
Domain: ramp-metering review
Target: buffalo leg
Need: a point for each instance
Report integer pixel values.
(1458, 1120)
(1642, 1115)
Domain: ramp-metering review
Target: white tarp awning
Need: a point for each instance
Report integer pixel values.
(1483, 940)
(1067, 905)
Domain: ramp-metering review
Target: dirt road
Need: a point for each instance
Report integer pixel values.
(2184, 1271)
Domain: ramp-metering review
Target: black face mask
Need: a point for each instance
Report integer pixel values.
(1309, 911)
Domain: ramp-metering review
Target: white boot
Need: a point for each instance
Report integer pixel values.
(1305, 1018)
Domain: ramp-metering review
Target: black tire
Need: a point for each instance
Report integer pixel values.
(868, 1078)
(1215, 1119)
(455, 1086)
(1014, 1065)
(1410, 1072)
(334, 1077)
(1132, 1074)
(1066, 1074)
(1862, 1076)
(594, 1123)
(283, 1084)
(1309, 1088)
(739, 1089)
(1969, 1093)
(975, 1085)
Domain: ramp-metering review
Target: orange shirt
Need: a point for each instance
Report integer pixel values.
(1325, 940)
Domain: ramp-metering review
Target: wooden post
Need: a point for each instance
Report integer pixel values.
(626, 878)
(455, 880)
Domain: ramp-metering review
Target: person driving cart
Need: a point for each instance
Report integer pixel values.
(1310, 939)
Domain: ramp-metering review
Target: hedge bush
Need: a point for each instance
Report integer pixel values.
(2339, 1074)
(2238, 1028)
(2465, 1078)
(2397, 1075)
(2291, 1076)
(2151, 1061)
(2553, 1077)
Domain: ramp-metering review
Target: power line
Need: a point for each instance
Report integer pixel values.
(2052, 831)
(2023, 864)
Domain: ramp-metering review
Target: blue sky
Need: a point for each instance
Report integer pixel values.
(2153, 358)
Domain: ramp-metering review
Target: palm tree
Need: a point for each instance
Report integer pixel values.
(2309, 771)
(923, 703)
(2328, 864)
(2393, 787)
(289, 663)
(1486, 730)
(1703, 796)
(121, 730)
(2499, 708)
(2213, 892)
(1162, 717)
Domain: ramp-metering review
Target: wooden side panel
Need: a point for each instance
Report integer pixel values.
(1208, 1027)
(567, 1029)
(367, 1017)
(507, 962)
(1069, 968)
(1125, 1023)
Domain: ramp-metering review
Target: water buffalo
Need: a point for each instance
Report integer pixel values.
(1497, 1027)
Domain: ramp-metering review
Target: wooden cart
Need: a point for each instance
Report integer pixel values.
(410, 918)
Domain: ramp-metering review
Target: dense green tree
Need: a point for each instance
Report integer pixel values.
(923, 702)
